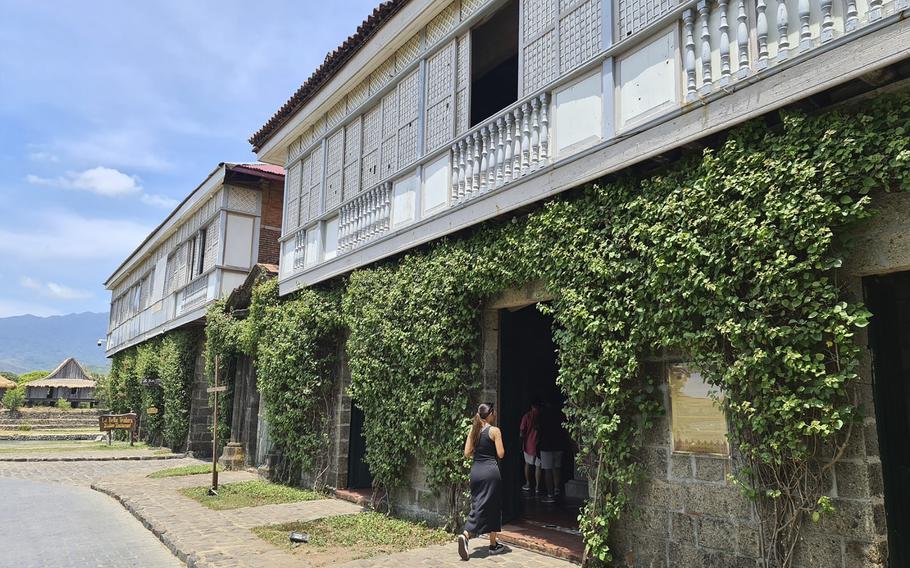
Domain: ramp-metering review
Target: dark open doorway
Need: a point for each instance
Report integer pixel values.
(359, 476)
(528, 371)
(888, 297)
(494, 63)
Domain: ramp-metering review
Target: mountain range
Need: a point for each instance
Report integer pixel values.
(30, 343)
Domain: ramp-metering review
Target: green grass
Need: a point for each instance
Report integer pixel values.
(249, 494)
(351, 537)
(182, 471)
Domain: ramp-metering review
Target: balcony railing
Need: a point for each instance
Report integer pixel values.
(505, 148)
(365, 218)
(691, 51)
(193, 295)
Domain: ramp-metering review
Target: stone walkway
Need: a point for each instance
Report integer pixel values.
(205, 538)
(201, 537)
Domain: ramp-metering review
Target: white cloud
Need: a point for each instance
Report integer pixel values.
(54, 290)
(159, 201)
(100, 180)
(61, 235)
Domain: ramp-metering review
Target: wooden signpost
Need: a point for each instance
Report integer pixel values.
(110, 422)
(215, 390)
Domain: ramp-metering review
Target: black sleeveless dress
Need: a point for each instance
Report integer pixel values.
(486, 488)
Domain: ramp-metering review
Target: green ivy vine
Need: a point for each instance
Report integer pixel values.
(730, 257)
(158, 373)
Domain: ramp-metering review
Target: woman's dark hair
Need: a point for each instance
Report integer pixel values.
(483, 411)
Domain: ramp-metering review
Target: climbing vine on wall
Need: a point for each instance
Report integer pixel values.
(294, 343)
(222, 340)
(729, 257)
(159, 373)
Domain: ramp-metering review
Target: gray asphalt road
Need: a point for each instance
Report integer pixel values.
(63, 526)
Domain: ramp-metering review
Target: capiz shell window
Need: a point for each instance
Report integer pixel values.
(697, 420)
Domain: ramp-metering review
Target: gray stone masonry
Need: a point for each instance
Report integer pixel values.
(200, 435)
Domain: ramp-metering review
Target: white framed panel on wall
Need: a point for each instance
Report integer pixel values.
(311, 253)
(436, 185)
(648, 80)
(404, 201)
(579, 114)
(330, 240)
(238, 245)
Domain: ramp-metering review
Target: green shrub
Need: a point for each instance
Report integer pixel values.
(25, 427)
(63, 404)
(14, 399)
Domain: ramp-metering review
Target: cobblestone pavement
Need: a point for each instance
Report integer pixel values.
(203, 537)
(61, 526)
(85, 472)
(196, 535)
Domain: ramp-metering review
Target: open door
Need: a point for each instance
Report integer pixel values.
(528, 372)
(359, 476)
(888, 297)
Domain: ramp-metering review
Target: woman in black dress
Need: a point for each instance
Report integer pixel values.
(484, 444)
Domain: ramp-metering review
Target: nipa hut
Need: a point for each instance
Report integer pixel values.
(68, 381)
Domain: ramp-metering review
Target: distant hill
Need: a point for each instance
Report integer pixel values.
(28, 343)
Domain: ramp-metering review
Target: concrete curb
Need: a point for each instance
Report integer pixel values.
(160, 534)
(91, 459)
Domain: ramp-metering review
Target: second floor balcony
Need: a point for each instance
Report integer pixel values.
(449, 116)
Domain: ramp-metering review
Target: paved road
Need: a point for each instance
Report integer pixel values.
(63, 525)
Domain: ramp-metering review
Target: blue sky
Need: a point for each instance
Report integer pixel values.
(112, 111)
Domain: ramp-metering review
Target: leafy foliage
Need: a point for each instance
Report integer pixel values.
(14, 399)
(158, 373)
(31, 376)
(296, 357)
(729, 258)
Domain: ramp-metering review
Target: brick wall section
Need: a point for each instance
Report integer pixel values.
(270, 228)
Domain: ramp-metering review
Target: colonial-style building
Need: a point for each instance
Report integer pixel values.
(68, 381)
(438, 115)
(197, 255)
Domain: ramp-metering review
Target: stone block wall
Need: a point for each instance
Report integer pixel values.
(686, 513)
(200, 436)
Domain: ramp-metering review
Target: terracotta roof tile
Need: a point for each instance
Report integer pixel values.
(333, 62)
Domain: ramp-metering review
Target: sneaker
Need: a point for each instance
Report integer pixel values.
(548, 499)
(525, 487)
(497, 548)
(463, 546)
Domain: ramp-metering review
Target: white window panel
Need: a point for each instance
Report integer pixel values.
(648, 80)
(330, 244)
(436, 184)
(312, 247)
(404, 201)
(579, 114)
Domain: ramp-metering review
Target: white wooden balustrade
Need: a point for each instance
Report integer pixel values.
(193, 295)
(365, 218)
(765, 33)
(503, 149)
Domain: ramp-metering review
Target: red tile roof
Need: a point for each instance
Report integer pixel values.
(259, 167)
(333, 63)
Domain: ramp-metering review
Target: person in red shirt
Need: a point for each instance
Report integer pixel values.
(529, 435)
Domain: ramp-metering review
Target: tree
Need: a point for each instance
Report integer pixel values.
(10, 375)
(63, 404)
(13, 399)
(32, 376)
